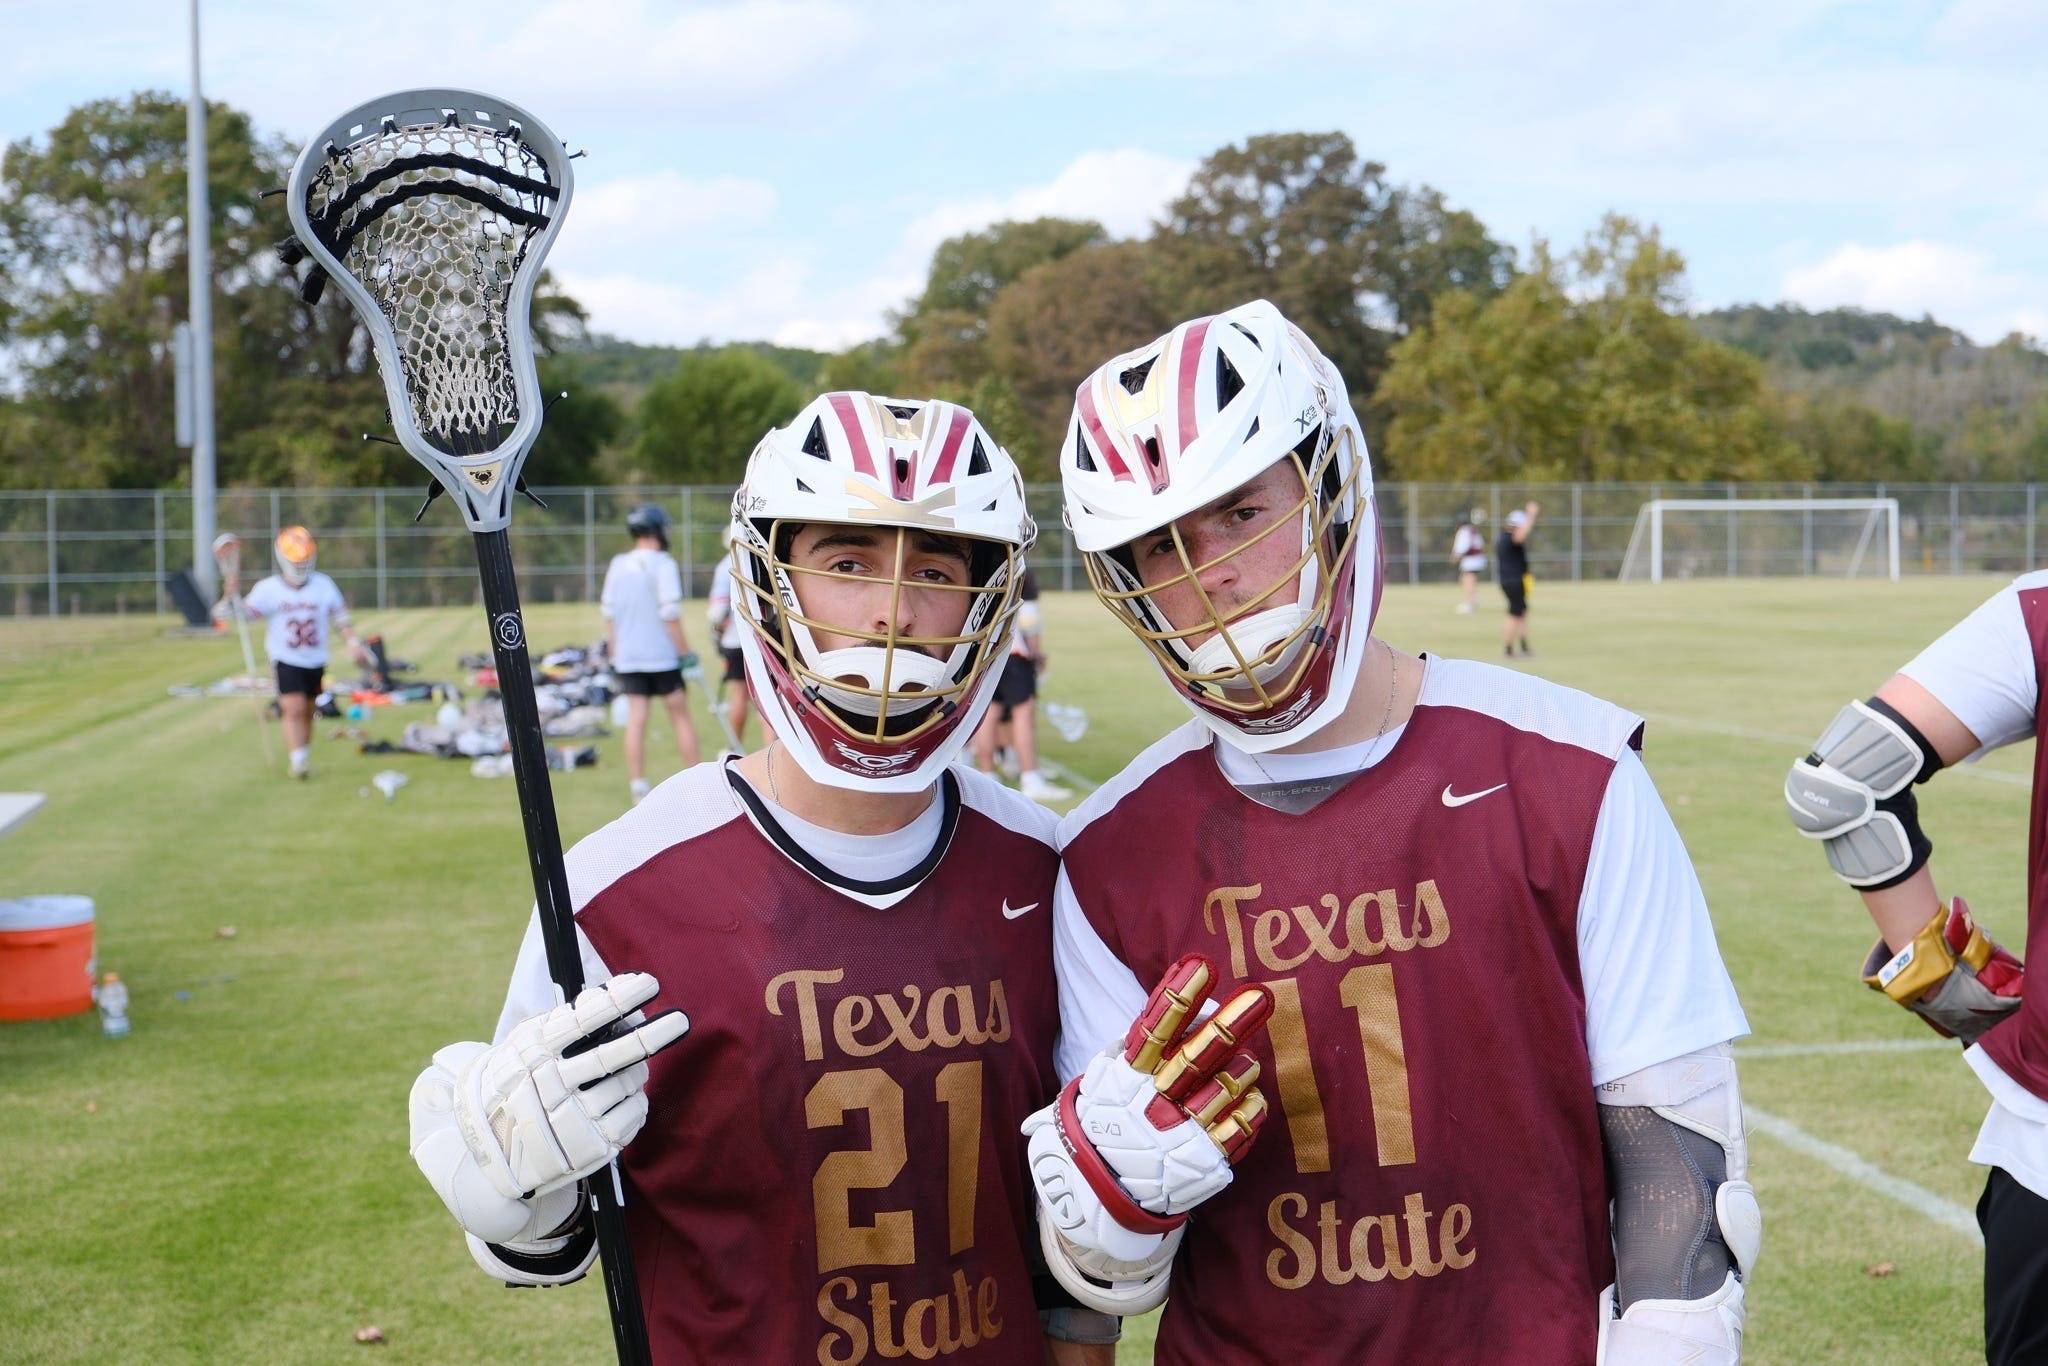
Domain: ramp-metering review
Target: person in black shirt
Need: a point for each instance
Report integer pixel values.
(1511, 555)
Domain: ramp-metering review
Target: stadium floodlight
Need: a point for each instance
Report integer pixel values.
(1709, 537)
(433, 211)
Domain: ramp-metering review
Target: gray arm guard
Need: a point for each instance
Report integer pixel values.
(1854, 794)
(1687, 1227)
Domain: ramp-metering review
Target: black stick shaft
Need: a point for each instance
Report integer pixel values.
(551, 896)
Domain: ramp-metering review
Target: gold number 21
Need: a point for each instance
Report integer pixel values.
(889, 1240)
(1368, 990)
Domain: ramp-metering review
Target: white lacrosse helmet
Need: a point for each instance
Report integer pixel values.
(887, 714)
(295, 555)
(1168, 429)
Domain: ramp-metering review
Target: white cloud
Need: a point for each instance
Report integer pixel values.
(643, 222)
(1957, 285)
(784, 298)
(1124, 190)
(2008, 30)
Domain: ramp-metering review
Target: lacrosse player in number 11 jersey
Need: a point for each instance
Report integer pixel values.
(1508, 1129)
(827, 1165)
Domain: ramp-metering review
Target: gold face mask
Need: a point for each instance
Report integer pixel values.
(1204, 655)
(843, 675)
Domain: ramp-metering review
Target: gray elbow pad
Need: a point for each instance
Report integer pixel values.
(1854, 794)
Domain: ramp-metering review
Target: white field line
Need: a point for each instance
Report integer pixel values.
(1800, 744)
(1062, 774)
(1914, 1197)
(1816, 1050)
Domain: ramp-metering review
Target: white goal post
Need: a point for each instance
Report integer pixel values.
(1835, 536)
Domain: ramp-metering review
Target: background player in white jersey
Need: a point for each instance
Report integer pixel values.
(725, 629)
(1468, 556)
(1014, 717)
(299, 606)
(1974, 690)
(643, 630)
(828, 1165)
(1501, 1036)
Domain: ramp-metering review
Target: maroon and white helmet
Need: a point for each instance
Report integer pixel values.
(1170, 428)
(889, 713)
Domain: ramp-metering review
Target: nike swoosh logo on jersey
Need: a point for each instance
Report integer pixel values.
(1012, 912)
(1452, 800)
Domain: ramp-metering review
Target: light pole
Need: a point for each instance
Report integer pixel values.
(200, 311)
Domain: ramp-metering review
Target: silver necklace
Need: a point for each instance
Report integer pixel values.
(774, 794)
(1386, 715)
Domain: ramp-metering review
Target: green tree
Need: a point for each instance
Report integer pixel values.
(876, 367)
(698, 424)
(1058, 321)
(1582, 368)
(1302, 220)
(92, 271)
(942, 333)
(1847, 442)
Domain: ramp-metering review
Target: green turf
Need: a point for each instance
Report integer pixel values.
(231, 1182)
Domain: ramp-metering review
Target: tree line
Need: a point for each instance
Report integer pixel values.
(1467, 359)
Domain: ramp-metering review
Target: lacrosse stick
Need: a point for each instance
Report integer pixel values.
(1070, 721)
(227, 557)
(433, 210)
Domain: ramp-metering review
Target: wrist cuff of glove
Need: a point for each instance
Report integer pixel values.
(1115, 1199)
(1923, 963)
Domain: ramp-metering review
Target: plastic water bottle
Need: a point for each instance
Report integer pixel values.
(113, 1006)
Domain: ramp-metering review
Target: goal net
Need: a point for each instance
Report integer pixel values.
(1683, 538)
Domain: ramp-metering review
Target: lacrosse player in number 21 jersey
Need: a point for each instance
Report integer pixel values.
(827, 1165)
(1500, 1044)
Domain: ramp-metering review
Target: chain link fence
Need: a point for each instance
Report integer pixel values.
(69, 551)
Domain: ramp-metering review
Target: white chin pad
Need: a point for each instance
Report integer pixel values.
(905, 674)
(1255, 637)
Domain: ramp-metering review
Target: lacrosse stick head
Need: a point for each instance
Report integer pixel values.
(227, 556)
(433, 211)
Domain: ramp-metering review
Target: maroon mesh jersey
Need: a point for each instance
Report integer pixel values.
(1430, 1187)
(2019, 1043)
(831, 1169)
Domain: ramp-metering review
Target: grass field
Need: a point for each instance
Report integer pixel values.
(231, 1182)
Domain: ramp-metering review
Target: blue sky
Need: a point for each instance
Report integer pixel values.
(782, 168)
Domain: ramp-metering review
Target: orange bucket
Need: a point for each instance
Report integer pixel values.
(46, 957)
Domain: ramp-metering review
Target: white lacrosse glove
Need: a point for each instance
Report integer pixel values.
(1148, 1132)
(504, 1132)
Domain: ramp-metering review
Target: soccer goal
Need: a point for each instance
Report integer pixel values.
(1725, 537)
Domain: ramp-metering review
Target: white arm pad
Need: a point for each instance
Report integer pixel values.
(1697, 1092)
(1103, 1283)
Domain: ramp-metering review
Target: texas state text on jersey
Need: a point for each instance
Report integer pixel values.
(1432, 1188)
(831, 1169)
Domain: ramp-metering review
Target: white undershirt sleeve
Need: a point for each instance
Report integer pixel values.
(1099, 995)
(1982, 670)
(533, 991)
(1656, 988)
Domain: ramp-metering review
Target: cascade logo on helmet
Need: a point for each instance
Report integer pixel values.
(1249, 447)
(877, 546)
(295, 555)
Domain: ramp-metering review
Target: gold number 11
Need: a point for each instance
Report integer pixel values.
(1368, 990)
